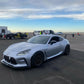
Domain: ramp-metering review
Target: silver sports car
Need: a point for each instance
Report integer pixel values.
(35, 51)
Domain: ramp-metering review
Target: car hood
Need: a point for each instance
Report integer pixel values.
(18, 47)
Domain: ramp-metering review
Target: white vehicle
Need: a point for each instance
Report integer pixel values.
(36, 33)
(4, 30)
(59, 33)
(35, 51)
(48, 32)
(43, 32)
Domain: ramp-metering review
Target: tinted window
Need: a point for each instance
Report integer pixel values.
(57, 39)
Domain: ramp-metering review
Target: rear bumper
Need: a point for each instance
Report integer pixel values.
(3, 61)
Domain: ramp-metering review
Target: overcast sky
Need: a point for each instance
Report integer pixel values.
(30, 15)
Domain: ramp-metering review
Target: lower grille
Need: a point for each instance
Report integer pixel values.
(10, 60)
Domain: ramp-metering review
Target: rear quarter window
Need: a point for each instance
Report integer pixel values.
(60, 39)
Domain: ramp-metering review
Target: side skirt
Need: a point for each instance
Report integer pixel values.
(55, 55)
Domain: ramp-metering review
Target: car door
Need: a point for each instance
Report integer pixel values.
(54, 48)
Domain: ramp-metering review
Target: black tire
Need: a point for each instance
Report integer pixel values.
(12, 38)
(37, 59)
(8, 38)
(67, 50)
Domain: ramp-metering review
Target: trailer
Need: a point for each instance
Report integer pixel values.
(3, 29)
(6, 34)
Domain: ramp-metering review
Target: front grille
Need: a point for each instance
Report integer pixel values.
(7, 58)
(10, 60)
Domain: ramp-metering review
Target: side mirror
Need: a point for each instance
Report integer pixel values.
(52, 42)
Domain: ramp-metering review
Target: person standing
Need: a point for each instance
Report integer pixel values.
(40, 32)
(78, 34)
(73, 35)
(65, 36)
(3, 35)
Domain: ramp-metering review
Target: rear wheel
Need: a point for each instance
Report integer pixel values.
(37, 59)
(67, 50)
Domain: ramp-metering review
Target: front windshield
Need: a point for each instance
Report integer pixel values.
(39, 39)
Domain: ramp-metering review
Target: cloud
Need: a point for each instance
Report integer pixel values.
(46, 4)
(42, 9)
(12, 13)
(6, 15)
(31, 13)
(73, 16)
(40, 16)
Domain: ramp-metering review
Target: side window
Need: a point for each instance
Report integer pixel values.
(55, 39)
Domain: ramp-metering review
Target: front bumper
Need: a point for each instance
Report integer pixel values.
(3, 61)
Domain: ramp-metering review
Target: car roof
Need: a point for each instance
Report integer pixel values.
(51, 35)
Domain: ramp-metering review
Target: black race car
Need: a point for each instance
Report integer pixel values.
(10, 36)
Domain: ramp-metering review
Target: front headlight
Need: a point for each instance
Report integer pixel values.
(23, 52)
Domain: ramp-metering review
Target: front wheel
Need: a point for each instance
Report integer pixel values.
(67, 50)
(37, 59)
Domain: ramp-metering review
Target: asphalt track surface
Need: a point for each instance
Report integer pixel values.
(59, 70)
